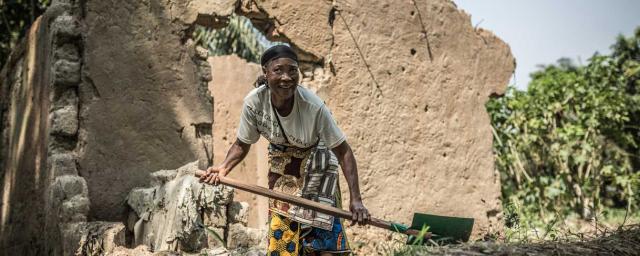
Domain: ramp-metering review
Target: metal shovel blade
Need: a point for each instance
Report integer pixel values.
(444, 229)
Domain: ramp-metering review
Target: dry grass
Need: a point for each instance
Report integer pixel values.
(622, 241)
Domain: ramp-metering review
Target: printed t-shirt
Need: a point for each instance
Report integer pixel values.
(308, 122)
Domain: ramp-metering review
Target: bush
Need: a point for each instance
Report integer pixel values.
(569, 143)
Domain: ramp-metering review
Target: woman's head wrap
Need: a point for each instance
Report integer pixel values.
(278, 51)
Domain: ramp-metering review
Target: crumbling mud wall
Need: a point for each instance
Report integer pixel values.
(23, 152)
(146, 101)
(411, 83)
(42, 194)
(83, 124)
(407, 82)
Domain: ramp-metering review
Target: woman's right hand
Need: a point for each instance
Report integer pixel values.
(213, 175)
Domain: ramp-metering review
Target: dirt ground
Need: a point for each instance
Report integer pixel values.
(623, 241)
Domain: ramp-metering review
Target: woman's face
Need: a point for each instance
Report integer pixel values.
(282, 76)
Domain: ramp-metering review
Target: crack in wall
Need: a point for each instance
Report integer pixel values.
(362, 57)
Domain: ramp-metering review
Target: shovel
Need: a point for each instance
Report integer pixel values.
(442, 229)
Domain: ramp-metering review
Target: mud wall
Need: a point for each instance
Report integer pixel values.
(411, 83)
(43, 196)
(407, 81)
(147, 106)
(86, 117)
(232, 79)
(23, 158)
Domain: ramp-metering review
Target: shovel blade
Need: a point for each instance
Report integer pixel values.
(445, 229)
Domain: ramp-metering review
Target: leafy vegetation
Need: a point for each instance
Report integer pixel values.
(16, 16)
(569, 143)
(240, 37)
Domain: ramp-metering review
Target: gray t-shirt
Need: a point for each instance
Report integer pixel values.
(308, 122)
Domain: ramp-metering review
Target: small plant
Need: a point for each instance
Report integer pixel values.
(215, 234)
(415, 246)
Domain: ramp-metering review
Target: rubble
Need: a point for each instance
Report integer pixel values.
(180, 214)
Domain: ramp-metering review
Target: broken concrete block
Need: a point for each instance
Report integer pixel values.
(69, 186)
(212, 196)
(238, 212)
(161, 177)
(188, 169)
(216, 251)
(64, 97)
(64, 121)
(177, 212)
(194, 241)
(241, 236)
(74, 209)
(99, 238)
(65, 29)
(215, 237)
(141, 250)
(141, 200)
(63, 164)
(255, 251)
(68, 52)
(66, 73)
(216, 217)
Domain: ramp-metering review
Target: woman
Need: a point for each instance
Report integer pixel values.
(305, 149)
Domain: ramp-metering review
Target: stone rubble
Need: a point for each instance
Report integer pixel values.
(181, 214)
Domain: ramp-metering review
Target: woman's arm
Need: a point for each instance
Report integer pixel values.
(235, 155)
(343, 152)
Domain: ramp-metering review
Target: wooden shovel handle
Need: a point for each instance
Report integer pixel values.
(310, 204)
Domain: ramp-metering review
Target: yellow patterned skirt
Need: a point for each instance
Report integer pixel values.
(288, 237)
(284, 236)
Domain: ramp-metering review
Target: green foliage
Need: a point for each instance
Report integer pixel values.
(415, 244)
(240, 37)
(16, 16)
(569, 144)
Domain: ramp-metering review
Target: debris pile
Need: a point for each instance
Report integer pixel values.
(178, 213)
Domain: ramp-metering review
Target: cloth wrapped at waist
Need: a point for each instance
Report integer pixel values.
(310, 173)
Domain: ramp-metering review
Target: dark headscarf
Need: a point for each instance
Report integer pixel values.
(278, 51)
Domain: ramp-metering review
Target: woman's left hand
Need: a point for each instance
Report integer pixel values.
(359, 213)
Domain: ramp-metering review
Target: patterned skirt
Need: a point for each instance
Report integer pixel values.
(288, 237)
(312, 174)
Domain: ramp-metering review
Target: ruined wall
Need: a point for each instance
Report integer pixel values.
(232, 78)
(146, 102)
(23, 157)
(87, 117)
(407, 81)
(43, 196)
(410, 89)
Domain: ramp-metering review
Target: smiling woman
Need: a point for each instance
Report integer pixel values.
(280, 68)
(306, 147)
